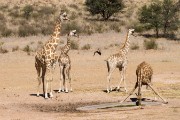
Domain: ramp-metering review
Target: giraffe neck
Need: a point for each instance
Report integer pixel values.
(56, 33)
(68, 45)
(125, 47)
(54, 41)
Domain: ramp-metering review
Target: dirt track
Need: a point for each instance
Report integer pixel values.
(18, 99)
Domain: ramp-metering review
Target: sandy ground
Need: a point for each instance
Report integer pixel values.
(18, 99)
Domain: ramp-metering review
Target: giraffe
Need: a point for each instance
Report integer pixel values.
(65, 63)
(119, 60)
(45, 58)
(144, 74)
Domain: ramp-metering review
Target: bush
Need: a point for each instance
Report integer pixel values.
(45, 10)
(16, 48)
(2, 17)
(27, 30)
(74, 6)
(115, 27)
(134, 46)
(73, 16)
(47, 30)
(27, 49)
(151, 44)
(27, 10)
(86, 47)
(2, 50)
(74, 45)
(71, 26)
(6, 32)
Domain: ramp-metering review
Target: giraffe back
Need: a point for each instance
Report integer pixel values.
(144, 73)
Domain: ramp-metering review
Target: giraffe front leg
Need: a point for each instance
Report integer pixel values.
(46, 88)
(51, 94)
(61, 79)
(51, 80)
(69, 77)
(39, 84)
(66, 79)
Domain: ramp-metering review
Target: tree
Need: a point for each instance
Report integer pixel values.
(151, 16)
(106, 8)
(28, 9)
(161, 15)
(170, 15)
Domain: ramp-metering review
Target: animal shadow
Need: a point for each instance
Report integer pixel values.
(40, 95)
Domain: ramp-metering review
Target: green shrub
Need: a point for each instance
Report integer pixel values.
(86, 47)
(64, 8)
(74, 6)
(4, 7)
(73, 16)
(115, 27)
(74, 45)
(150, 44)
(27, 30)
(27, 10)
(46, 10)
(14, 13)
(27, 49)
(16, 48)
(134, 46)
(71, 26)
(2, 50)
(1, 43)
(47, 30)
(6, 32)
(2, 17)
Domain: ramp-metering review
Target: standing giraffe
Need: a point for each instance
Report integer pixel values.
(44, 59)
(65, 64)
(144, 74)
(119, 60)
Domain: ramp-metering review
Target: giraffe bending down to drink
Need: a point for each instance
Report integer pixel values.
(45, 58)
(65, 64)
(144, 74)
(119, 60)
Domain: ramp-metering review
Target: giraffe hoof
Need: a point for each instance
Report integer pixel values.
(108, 91)
(66, 91)
(165, 102)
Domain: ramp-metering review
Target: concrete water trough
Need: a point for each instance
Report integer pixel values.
(118, 105)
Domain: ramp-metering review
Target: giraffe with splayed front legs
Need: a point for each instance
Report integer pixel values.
(65, 64)
(119, 61)
(144, 74)
(45, 58)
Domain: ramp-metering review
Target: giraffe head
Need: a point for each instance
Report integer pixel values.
(73, 33)
(63, 16)
(131, 32)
